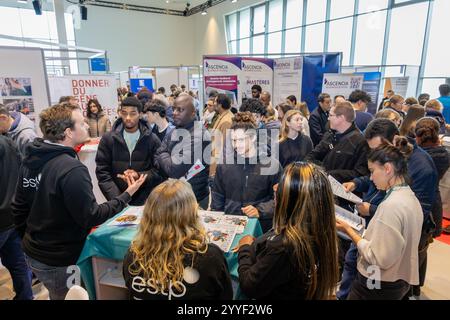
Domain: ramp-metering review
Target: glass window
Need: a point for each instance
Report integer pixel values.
(244, 23)
(316, 11)
(244, 46)
(233, 47)
(258, 44)
(275, 15)
(11, 21)
(314, 38)
(406, 47)
(340, 38)
(438, 45)
(70, 32)
(370, 38)
(274, 42)
(232, 21)
(431, 86)
(342, 8)
(293, 41)
(259, 19)
(294, 13)
(372, 5)
(34, 26)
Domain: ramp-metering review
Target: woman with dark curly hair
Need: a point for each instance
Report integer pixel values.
(98, 122)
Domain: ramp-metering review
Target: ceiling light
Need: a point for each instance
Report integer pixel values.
(22, 1)
(234, 1)
(204, 12)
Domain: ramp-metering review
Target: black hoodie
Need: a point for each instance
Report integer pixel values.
(9, 171)
(54, 207)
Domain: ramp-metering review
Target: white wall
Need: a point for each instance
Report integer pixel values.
(138, 38)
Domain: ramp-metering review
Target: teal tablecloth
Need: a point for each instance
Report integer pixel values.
(112, 242)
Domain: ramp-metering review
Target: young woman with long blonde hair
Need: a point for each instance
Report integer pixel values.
(170, 257)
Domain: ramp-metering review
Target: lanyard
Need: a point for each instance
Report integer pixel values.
(388, 193)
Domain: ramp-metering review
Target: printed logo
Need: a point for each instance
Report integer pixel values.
(215, 67)
(251, 67)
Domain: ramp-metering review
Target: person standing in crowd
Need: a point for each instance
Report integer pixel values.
(433, 108)
(257, 109)
(11, 253)
(127, 151)
(423, 179)
(18, 127)
(338, 99)
(223, 122)
(342, 150)
(144, 95)
(294, 145)
(292, 101)
(256, 91)
(291, 261)
(271, 121)
(444, 91)
(360, 99)
(396, 103)
(266, 99)
(156, 116)
(318, 120)
(167, 106)
(390, 114)
(183, 88)
(54, 228)
(171, 251)
(190, 150)
(423, 98)
(410, 101)
(162, 90)
(391, 240)
(282, 109)
(408, 125)
(209, 114)
(173, 88)
(386, 99)
(427, 137)
(245, 186)
(97, 121)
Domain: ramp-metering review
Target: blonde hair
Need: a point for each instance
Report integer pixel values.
(270, 114)
(303, 107)
(284, 125)
(169, 230)
(304, 216)
(434, 104)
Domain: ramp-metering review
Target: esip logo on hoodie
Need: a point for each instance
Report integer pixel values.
(32, 183)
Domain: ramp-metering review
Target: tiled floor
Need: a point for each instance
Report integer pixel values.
(437, 286)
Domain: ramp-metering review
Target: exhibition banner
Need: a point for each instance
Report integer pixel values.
(86, 87)
(287, 79)
(341, 84)
(137, 84)
(256, 71)
(398, 84)
(221, 74)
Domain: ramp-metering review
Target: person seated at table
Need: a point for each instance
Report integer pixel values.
(170, 257)
(156, 116)
(98, 122)
(244, 187)
(127, 150)
(297, 259)
(294, 144)
(54, 207)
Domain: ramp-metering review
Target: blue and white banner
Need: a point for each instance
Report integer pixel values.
(287, 79)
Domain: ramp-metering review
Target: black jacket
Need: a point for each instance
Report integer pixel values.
(344, 156)
(54, 207)
(268, 271)
(239, 185)
(214, 282)
(318, 124)
(113, 158)
(9, 174)
(188, 150)
(292, 150)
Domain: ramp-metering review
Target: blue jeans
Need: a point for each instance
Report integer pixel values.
(349, 273)
(55, 279)
(14, 260)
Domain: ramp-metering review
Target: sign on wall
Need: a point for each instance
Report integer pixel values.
(256, 71)
(287, 79)
(341, 84)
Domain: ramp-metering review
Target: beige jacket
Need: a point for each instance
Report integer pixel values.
(98, 126)
(223, 122)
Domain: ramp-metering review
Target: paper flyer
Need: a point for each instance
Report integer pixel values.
(130, 216)
(211, 217)
(339, 190)
(221, 235)
(355, 221)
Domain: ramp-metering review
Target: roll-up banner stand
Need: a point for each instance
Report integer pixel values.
(23, 81)
(371, 85)
(256, 71)
(341, 84)
(86, 87)
(287, 78)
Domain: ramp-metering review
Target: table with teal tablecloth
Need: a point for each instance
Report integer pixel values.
(112, 242)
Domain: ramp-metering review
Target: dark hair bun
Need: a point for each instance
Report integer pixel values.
(402, 144)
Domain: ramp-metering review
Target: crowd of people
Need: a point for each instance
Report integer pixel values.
(266, 162)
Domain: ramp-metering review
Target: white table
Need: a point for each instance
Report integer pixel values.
(87, 157)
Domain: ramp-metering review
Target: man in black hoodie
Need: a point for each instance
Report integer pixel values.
(127, 150)
(11, 252)
(54, 207)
